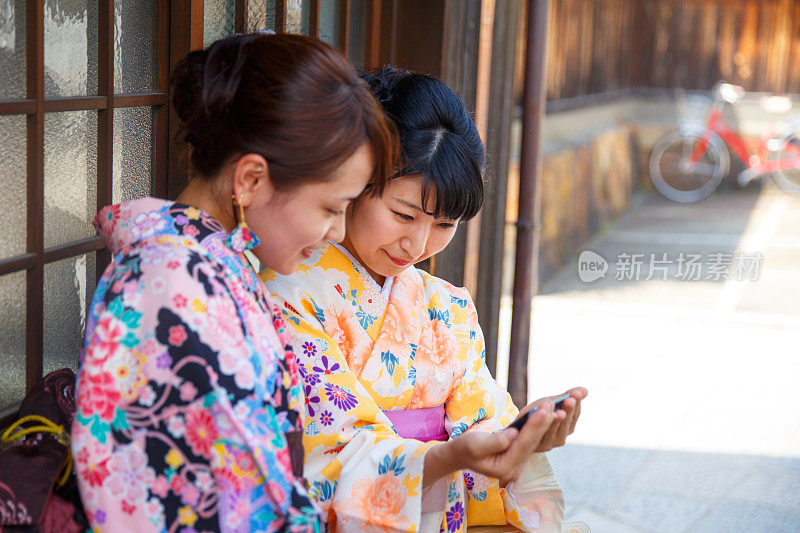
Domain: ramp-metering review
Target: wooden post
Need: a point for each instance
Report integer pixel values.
(240, 17)
(34, 33)
(280, 16)
(313, 18)
(344, 26)
(483, 83)
(503, 99)
(373, 31)
(459, 61)
(186, 34)
(525, 268)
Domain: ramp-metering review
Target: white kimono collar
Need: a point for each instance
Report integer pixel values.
(384, 291)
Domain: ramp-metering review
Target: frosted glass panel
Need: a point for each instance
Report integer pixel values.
(13, 183)
(70, 47)
(260, 15)
(12, 49)
(134, 46)
(68, 289)
(133, 153)
(12, 338)
(219, 18)
(329, 22)
(357, 37)
(70, 176)
(297, 14)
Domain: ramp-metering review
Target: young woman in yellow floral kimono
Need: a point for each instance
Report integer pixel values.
(405, 424)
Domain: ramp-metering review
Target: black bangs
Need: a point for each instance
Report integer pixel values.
(439, 140)
(453, 176)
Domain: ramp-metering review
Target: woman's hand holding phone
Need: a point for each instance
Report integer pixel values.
(499, 455)
(542, 426)
(568, 409)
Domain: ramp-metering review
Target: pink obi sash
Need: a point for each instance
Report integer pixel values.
(419, 424)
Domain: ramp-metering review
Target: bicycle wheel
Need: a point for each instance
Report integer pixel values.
(676, 177)
(788, 179)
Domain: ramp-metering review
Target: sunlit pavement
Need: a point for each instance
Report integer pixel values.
(693, 419)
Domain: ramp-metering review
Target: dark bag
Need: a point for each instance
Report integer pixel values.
(38, 491)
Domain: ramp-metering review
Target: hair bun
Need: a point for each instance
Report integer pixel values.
(382, 81)
(222, 73)
(205, 84)
(187, 86)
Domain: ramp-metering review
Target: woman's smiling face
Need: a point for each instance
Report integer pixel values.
(390, 233)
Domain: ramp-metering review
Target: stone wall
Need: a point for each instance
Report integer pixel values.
(582, 189)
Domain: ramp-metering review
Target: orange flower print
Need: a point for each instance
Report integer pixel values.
(400, 327)
(427, 392)
(437, 346)
(446, 344)
(380, 501)
(343, 328)
(426, 349)
(408, 288)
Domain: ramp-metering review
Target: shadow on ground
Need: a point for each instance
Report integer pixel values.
(619, 490)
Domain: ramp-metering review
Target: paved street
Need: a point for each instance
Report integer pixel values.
(693, 419)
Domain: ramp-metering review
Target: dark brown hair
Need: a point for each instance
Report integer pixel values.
(293, 99)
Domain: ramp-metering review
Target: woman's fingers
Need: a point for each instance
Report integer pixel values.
(537, 429)
(575, 418)
(579, 394)
(570, 408)
(554, 436)
(478, 445)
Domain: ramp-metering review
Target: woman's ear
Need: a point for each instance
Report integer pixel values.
(251, 178)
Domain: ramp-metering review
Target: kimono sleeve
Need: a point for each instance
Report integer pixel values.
(181, 438)
(364, 475)
(535, 502)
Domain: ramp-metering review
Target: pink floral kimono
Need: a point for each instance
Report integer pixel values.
(413, 344)
(187, 391)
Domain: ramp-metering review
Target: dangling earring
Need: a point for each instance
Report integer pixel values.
(241, 238)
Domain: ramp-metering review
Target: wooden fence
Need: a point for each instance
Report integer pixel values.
(600, 46)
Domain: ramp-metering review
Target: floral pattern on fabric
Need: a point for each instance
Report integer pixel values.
(425, 350)
(187, 386)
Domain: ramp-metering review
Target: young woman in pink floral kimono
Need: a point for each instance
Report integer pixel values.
(405, 426)
(189, 399)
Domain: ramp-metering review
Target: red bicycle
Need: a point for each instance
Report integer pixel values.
(689, 163)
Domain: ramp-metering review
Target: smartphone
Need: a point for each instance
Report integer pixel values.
(519, 422)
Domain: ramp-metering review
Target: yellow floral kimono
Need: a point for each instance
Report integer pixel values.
(361, 353)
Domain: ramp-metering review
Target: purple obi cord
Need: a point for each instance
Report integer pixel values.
(419, 424)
